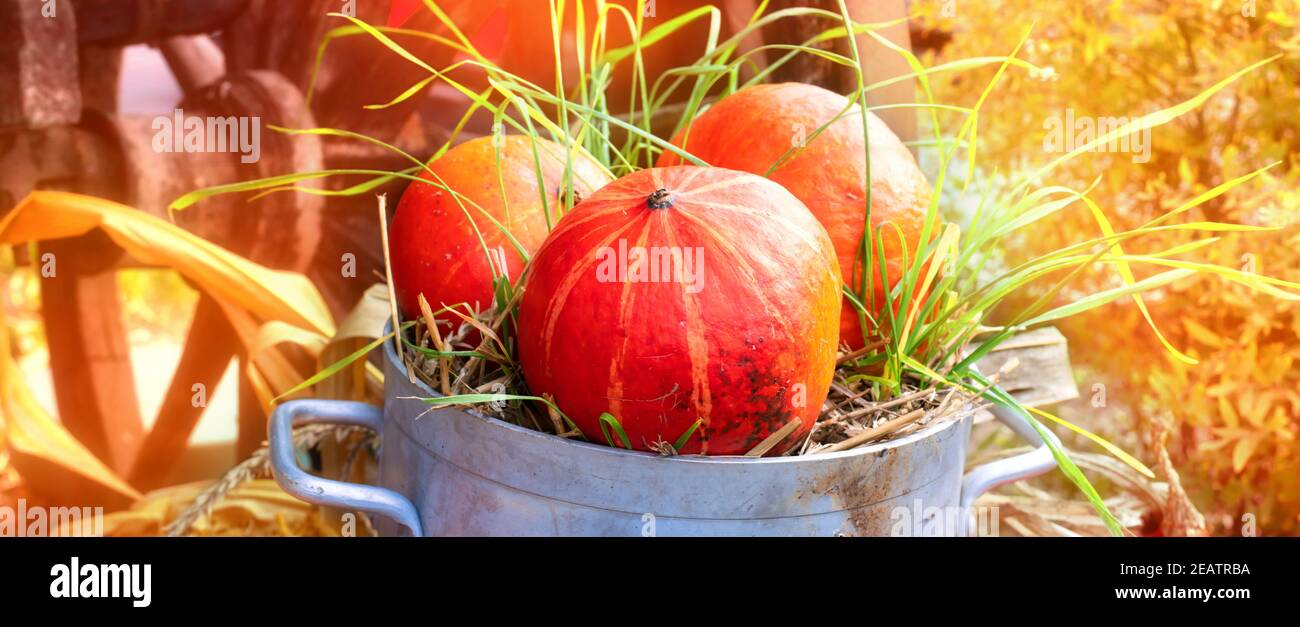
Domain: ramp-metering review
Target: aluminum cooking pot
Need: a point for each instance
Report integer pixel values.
(455, 472)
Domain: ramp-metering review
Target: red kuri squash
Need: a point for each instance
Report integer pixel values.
(753, 129)
(435, 245)
(681, 294)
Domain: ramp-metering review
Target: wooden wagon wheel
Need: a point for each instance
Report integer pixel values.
(54, 144)
(283, 37)
(268, 50)
(281, 233)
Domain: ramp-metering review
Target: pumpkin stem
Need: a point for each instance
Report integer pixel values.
(660, 199)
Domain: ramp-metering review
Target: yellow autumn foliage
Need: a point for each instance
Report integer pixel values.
(1234, 416)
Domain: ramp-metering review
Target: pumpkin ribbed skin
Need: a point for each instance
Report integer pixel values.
(434, 247)
(746, 342)
(751, 130)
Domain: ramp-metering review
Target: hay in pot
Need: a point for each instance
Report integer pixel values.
(441, 356)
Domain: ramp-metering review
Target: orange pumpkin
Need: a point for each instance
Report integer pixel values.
(516, 35)
(435, 240)
(751, 130)
(682, 294)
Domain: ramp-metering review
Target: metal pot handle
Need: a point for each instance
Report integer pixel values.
(328, 492)
(1003, 471)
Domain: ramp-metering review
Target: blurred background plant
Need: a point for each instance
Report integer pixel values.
(1231, 420)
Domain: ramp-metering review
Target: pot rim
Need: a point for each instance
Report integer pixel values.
(934, 428)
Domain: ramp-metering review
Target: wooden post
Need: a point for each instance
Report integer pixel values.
(879, 63)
